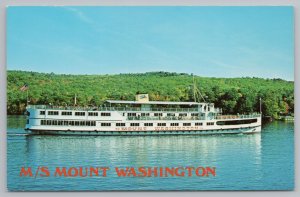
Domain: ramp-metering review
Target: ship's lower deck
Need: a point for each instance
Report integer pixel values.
(252, 129)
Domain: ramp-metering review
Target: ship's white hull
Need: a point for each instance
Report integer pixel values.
(57, 122)
(245, 130)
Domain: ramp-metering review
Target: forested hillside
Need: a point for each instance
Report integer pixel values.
(233, 95)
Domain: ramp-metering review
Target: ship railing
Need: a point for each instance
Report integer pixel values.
(136, 109)
(223, 117)
(164, 118)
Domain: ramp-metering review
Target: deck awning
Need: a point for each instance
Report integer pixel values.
(154, 102)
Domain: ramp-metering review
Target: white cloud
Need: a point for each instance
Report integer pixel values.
(83, 17)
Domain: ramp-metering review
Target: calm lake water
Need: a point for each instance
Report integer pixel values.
(243, 162)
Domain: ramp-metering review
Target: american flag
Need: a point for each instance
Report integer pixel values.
(24, 87)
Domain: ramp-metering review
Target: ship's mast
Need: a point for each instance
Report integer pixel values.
(194, 89)
(75, 100)
(260, 105)
(27, 100)
(196, 92)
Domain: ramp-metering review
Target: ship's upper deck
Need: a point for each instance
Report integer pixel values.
(153, 102)
(143, 100)
(141, 103)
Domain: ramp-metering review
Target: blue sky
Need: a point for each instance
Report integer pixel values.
(206, 41)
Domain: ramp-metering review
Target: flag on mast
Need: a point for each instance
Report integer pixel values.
(24, 87)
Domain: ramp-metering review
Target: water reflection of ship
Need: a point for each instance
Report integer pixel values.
(146, 151)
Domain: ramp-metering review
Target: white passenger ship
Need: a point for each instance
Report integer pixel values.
(139, 117)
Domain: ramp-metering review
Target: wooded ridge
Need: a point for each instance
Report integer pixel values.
(233, 95)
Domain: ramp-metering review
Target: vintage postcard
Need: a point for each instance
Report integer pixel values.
(148, 98)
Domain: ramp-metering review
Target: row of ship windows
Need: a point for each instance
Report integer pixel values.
(105, 124)
(68, 123)
(69, 113)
